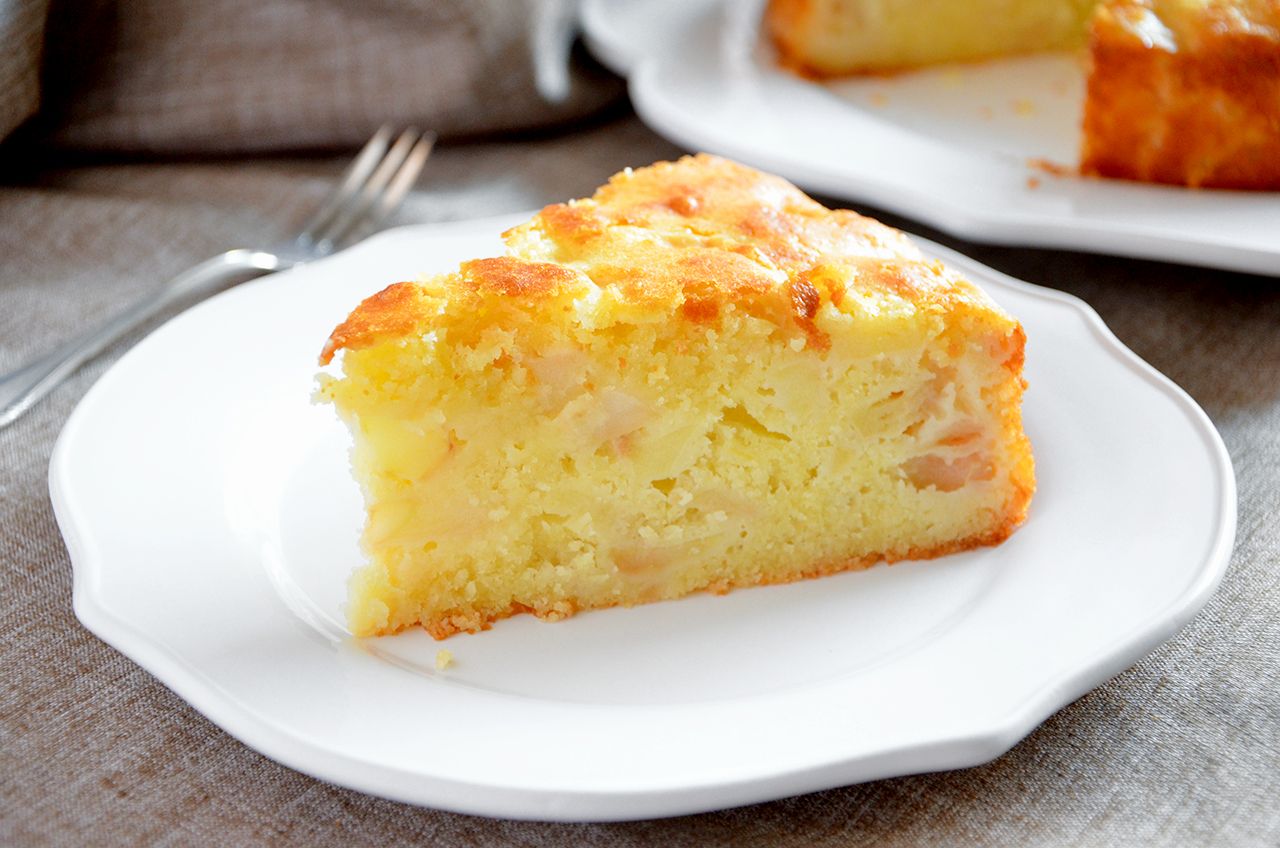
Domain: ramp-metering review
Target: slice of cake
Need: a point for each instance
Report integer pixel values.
(1185, 92)
(697, 380)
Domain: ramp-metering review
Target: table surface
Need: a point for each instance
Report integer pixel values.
(1183, 749)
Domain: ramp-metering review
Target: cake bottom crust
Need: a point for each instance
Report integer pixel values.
(473, 620)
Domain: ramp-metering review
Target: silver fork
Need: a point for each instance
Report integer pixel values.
(373, 186)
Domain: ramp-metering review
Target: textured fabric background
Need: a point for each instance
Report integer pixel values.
(21, 34)
(1182, 750)
(211, 76)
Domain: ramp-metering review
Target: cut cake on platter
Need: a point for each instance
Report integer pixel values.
(1185, 92)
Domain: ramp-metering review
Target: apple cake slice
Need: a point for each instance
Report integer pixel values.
(698, 379)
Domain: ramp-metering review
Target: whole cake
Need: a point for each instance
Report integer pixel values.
(1178, 91)
(698, 379)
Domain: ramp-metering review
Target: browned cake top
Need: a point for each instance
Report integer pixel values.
(684, 239)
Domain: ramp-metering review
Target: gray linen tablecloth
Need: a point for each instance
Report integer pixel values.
(1184, 749)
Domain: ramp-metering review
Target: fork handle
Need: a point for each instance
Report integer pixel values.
(20, 389)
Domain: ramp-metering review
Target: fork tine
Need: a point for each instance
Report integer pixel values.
(401, 182)
(360, 169)
(354, 208)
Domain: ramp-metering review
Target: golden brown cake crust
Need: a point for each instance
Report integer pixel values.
(1192, 100)
(783, 21)
(404, 308)
(789, 24)
(682, 238)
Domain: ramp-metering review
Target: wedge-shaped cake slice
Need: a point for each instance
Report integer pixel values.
(697, 380)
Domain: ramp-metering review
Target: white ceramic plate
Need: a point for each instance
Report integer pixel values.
(949, 146)
(212, 524)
